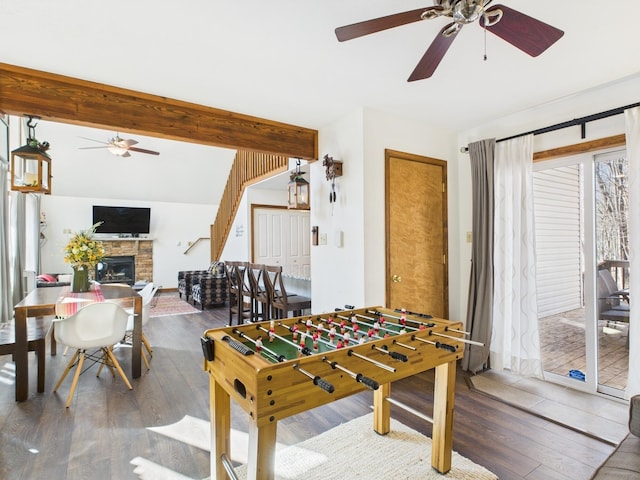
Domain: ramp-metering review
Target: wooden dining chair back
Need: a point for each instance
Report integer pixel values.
(37, 329)
(235, 278)
(245, 304)
(97, 326)
(281, 302)
(261, 301)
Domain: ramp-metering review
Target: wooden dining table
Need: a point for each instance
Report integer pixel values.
(41, 302)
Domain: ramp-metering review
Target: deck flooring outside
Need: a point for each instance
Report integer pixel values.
(562, 343)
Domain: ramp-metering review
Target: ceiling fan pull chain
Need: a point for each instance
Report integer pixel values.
(485, 42)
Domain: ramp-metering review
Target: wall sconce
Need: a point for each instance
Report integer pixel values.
(31, 165)
(299, 190)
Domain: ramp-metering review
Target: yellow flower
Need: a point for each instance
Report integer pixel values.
(83, 251)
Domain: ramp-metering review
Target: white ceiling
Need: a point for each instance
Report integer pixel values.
(280, 60)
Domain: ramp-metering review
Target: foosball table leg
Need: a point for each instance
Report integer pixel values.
(382, 409)
(443, 401)
(262, 451)
(220, 414)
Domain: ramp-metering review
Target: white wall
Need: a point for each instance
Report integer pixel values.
(355, 273)
(173, 225)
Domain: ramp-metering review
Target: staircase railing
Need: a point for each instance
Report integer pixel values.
(248, 168)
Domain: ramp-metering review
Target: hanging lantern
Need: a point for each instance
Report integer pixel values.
(31, 165)
(299, 190)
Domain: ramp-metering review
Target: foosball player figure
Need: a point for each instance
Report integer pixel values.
(403, 330)
(315, 340)
(330, 320)
(259, 344)
(343, 324)
(301, 347)
(403, 317)
(376, 327)
(356, 331)
(332, 333)
(370, 334)
(354, 320)
(382, 320)
(339, 344)
(320, 329)
(309, 325)
(422, 327)
(272, 330)
(347, 338)
(295, 332)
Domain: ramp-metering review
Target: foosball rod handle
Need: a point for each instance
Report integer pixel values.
(317, 380)
(369, 382)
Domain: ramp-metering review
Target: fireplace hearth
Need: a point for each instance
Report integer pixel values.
(120, 269)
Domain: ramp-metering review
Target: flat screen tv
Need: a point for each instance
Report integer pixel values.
(122, 220)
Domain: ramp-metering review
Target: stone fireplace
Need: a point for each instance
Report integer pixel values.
(141, 251)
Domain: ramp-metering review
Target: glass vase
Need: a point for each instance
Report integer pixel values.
(80, 281)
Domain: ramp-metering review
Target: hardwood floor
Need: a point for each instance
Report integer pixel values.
(106, 425)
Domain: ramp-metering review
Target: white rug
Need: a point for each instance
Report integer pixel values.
(350, 450)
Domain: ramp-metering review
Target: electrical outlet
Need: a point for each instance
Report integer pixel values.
(323, 239)
(469, 237)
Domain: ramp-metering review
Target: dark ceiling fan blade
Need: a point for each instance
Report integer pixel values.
(530, 35)
(355, 30)
(433, 56)
(142, 150)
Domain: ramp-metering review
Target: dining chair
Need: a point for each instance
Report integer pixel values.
(36, 334)
(97, 326)
(235, 278)
(281, 302)
(260, 296)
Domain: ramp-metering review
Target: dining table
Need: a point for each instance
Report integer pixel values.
(42, 302)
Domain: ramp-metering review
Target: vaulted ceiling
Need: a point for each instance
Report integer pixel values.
(280, 59)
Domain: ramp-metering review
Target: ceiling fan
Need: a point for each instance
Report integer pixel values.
(119, 146)
(530, 35)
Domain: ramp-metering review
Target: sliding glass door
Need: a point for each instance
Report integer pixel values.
(582, 269)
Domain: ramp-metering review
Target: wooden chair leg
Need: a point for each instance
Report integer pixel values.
(145, 359)
(66, 370)
(147, 345)
(74, 383)
(116, 364)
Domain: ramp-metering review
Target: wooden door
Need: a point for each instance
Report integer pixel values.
(416, 233)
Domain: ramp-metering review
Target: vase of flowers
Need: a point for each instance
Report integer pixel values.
(83, 252)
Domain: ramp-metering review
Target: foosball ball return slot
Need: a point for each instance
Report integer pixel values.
(273, 370)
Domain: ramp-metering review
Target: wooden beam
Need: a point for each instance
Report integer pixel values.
(70, 100)
(590, 146)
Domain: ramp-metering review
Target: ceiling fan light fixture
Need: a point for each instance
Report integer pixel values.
(467, 11)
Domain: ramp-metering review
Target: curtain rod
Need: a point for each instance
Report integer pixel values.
(582, 121)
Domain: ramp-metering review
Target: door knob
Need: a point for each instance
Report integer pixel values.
(396, 279)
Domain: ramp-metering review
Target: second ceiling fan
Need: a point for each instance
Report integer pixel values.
(120, 147)
(526, 33)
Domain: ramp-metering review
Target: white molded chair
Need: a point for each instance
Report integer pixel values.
(147, 294)
(95, 326)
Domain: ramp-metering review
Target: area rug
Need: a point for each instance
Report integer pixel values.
(350, 450)
(165, 305)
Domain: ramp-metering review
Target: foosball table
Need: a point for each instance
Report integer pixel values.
(283, 367)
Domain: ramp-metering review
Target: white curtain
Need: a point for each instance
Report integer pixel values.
(6, 297)
(632, 121)
(515, 342)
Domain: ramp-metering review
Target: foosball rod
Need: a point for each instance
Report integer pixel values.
(400, 344)
(228, 466)
(278, 357)
(449, 329)
(463, 340)
(409, 409)
(317, 380)
(395, 317)
(358, 377)
(304, 350)
(443, 346)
